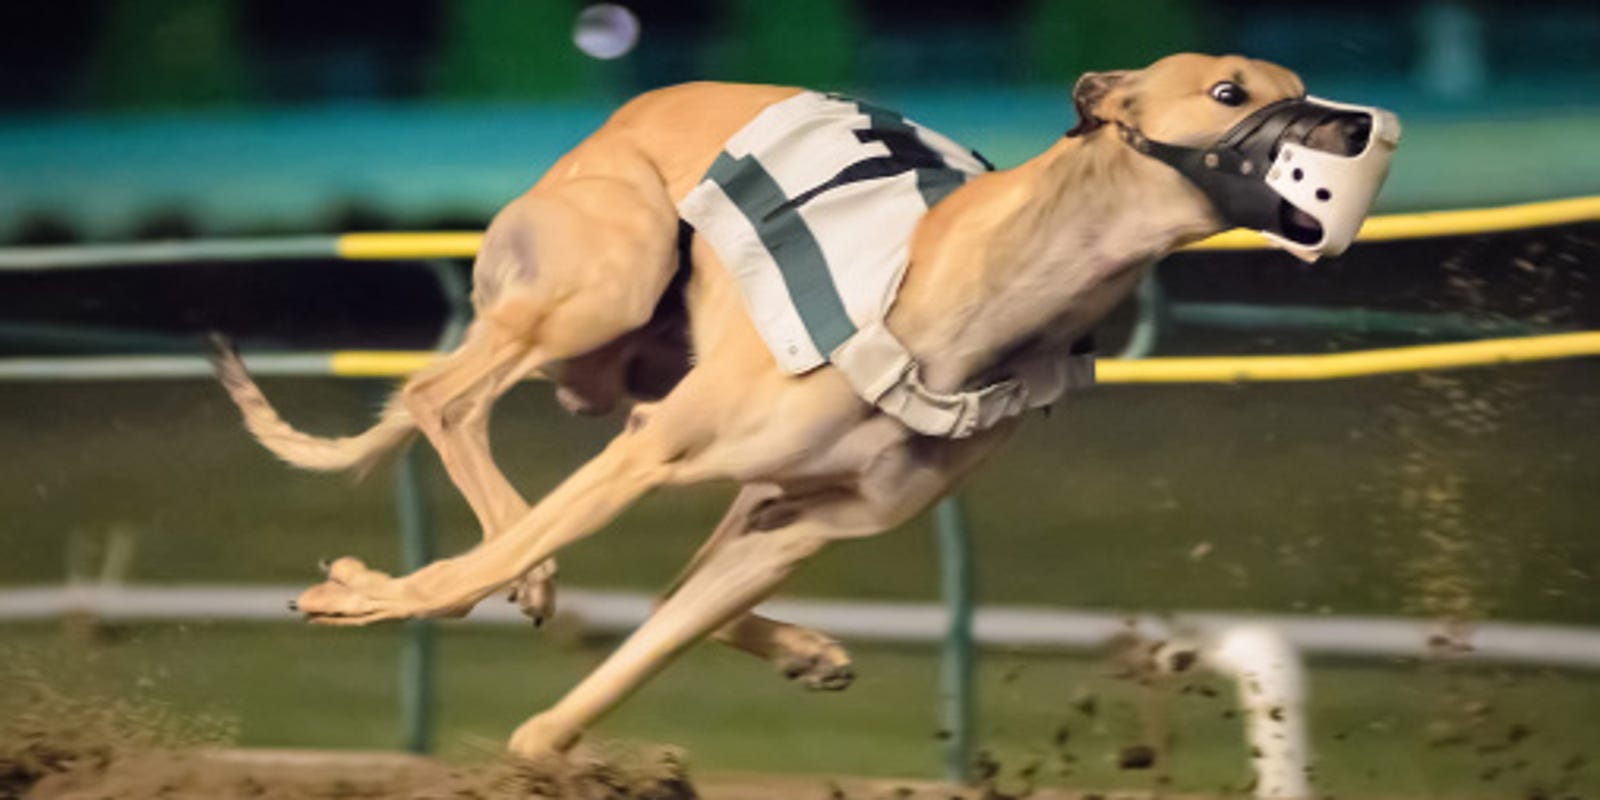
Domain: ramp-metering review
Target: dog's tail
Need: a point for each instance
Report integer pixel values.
(323, 454)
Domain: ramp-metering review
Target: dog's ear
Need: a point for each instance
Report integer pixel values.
(1089, 95)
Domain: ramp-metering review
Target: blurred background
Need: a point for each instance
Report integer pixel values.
(140, 118)
(1461, 497)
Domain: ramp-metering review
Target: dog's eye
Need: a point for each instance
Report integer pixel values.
(1229, 93)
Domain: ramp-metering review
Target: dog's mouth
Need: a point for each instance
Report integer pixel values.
(1298, 226)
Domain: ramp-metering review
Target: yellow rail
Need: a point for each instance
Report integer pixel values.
(1228, 369)
(1431, 224)
(396, 246)
(1424, 225)
(1258, 369)
(379, 363)
(1239, 369)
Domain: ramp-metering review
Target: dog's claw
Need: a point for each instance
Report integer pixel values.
(324, 564)
(823, 666)
(836, 679)
(534, 592)
(822, 677)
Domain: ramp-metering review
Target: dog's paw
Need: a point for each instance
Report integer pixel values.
(818, 663)
(356, 595)
(535, 592)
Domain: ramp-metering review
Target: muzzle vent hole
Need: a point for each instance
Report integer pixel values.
(1324, 195)
(1298, 173)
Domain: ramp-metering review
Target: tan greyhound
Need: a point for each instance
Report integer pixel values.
(589, 280)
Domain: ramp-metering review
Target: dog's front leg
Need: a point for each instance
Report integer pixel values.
(355, 595)
(892, 485)
(732, 581)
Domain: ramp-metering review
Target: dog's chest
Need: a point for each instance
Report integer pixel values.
(811, 207)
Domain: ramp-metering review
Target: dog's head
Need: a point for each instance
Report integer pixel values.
(1303, 171)
(1187, 98)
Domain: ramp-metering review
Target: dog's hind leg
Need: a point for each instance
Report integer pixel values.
(471, 377)
(451, 403)
(560, 274)
(808, 657)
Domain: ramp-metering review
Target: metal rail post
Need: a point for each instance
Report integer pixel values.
(419, 658)
(1152, 306)
(956, 669)
(958, 664)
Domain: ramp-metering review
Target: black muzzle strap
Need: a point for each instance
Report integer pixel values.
(1231, 171)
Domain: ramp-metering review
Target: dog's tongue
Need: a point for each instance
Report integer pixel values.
(1303, 219)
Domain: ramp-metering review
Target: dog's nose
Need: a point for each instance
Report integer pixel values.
(1346, 134)
(1357, 131)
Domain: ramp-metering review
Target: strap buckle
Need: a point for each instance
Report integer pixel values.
(884, 374)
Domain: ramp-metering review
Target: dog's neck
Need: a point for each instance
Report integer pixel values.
(1033, 257)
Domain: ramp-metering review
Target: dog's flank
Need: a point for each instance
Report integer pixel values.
(358, 453)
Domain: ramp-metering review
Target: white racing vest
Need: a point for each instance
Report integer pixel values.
(811, 207)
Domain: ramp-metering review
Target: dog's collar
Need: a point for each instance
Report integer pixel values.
(1197, 164)
(1135, 138)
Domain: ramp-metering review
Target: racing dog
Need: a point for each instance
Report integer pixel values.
(696, 257)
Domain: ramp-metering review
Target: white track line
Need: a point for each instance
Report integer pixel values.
(995, 626)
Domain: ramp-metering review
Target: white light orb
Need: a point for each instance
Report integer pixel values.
(606, 31)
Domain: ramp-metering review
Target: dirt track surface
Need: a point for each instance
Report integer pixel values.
(50, 771)
(81, 743)
(304, 774)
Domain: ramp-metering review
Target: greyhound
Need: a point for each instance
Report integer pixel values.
(593, 280)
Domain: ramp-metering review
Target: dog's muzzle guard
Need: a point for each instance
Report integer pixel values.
(1266, 173)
